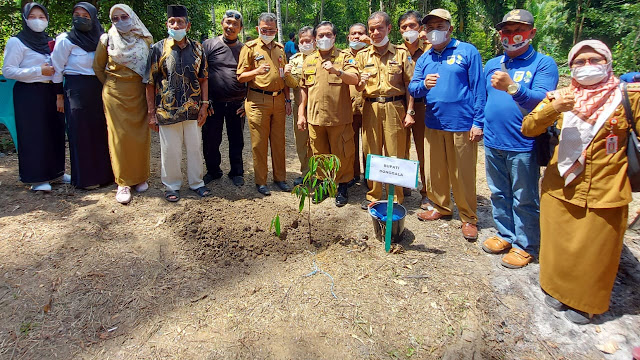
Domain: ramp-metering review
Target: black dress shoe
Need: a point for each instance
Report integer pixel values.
(209, 177)
(298, 181)
(237, 180)
(263, 189)
(283, 185)
(342, 199)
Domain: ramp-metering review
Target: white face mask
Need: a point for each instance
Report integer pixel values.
(590, 74)
(306, 48)
(357, 45)
(324, 44)
(437, 37)
(410, 36)
(267, 38)
(37, 25)
(381, 43)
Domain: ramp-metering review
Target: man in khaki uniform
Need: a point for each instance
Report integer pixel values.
(385, 75)
(261, 64)
(358, 40)
(306, 44)
(410, 27)
(326, 103)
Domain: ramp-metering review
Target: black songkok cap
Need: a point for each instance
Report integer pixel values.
(177, 11)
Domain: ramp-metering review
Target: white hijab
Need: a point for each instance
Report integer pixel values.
(129, 49)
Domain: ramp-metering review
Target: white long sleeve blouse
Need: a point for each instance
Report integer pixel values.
(23, 64)
(70, 59)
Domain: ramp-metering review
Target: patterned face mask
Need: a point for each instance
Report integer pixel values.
(516, 41)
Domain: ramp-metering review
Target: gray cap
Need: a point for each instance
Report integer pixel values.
(516, 16)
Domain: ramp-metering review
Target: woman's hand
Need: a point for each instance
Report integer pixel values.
(47, 70)
(564, 100)
(60, 103)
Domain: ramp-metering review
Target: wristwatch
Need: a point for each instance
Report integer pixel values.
(411, 112)
(287, 101)
(512, 89)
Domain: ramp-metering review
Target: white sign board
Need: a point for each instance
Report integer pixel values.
(400, 172)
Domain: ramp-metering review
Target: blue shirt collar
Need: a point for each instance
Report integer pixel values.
(524, 56)
(453, 43)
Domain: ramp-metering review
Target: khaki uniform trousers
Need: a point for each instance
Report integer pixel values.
(266, 116)
(452, 166)
(418, 139)
(336, 140)
(302, 137)
(382, 129)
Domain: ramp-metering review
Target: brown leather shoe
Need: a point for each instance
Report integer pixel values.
(516, 259)
(470, 231)
(432, 215)
(424, 203)
(495, 245)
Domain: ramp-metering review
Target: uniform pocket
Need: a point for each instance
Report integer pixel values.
(395, 73)
(309, 76)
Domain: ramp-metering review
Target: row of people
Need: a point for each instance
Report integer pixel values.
(436, 89)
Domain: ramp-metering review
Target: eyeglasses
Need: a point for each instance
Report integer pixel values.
(115, 19)
(264, 31)
(232, 14)
(591, 61)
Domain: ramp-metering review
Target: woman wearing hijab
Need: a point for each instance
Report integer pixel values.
(82, 104)
(120, 63)
(585, 189)
(39, 127)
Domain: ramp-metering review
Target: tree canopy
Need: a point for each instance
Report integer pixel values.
(559, 23)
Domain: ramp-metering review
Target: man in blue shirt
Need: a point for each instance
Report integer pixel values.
(516, 82)
(290, 46)
(449, 77)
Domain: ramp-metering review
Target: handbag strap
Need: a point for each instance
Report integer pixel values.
(627, 107)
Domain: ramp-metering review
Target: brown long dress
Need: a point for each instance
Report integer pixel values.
(125, 107)
(582, 224)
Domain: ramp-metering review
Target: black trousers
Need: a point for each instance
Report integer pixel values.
(224, 113)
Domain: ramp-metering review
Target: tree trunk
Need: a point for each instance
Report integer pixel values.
(576, 27)
(370, 8)
(286, 13)
(279, 18)
(268, 5)
(321, 17)
(213, 21)
(381, 5)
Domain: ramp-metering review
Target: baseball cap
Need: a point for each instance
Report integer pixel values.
(516, 16)
(439, 13)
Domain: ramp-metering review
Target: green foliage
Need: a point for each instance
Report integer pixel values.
(275, 224)
(318, 183)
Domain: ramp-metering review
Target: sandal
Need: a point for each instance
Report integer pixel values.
(202, 191)
(172, 195)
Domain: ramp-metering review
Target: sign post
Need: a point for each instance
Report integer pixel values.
(391, 171)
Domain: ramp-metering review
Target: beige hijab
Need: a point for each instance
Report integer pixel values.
(130, 49)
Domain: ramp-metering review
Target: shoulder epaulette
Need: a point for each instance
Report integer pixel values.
(278, 44)
(633, 87)
(251, 43)
(295, 56)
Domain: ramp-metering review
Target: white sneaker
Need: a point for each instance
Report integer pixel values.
(45, 186)
(66, 179)
(123, 196)
(142, 187)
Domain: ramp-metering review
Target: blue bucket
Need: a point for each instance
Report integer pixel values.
(378, 212)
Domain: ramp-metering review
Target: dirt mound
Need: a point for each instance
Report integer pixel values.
(229, 233)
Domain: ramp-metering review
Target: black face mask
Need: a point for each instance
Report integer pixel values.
(82, 24)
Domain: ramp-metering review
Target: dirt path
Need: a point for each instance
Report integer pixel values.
(84, 277)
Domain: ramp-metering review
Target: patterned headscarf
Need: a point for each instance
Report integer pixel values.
(130, 49)
(592, 99)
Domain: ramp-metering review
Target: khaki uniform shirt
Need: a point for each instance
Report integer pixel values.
(604, 182)
(423, 46)
(296, 70)
(390, 72)
(328, 100)
(356, 96)
(255, 53)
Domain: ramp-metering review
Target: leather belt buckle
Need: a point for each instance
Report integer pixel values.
(381, 99)
(274, 93)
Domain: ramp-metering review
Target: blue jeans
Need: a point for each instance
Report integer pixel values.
(513, 177)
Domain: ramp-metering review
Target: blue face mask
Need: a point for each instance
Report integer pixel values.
(356, 45)
(177, 35)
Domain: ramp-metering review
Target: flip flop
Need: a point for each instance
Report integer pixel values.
(171, 195)
(202, 191)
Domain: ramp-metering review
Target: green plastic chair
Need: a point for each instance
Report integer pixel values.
(7, 116)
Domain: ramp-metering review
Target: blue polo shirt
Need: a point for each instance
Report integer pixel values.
(537, 74)
(458, 99)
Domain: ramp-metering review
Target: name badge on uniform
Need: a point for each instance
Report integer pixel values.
(259, 57)
(281, 72)
(612, 139)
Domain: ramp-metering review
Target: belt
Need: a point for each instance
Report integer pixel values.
(272, 93)
(418, 100)
(382, 99)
